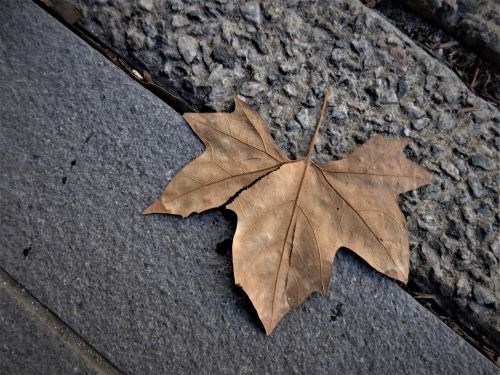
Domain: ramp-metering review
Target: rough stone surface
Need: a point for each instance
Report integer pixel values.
(156, 294)
(479, 73)
(28, 347)
(476, 22)
(382, 83)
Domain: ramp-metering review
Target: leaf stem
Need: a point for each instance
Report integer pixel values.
(318, 125)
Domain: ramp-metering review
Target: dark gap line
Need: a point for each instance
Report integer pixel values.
(144, 78)
(431, 305)
(56, 326)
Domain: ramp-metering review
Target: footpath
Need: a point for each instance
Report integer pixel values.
(83, 149)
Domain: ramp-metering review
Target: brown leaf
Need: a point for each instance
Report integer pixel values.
(239, 150)
(294, 219)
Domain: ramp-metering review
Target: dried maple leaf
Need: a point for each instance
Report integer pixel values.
(293, 220)
(239, 150)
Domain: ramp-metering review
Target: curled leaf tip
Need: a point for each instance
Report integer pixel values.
(156, 208)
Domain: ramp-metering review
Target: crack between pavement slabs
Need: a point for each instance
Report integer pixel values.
(56, 326)
(431, 304)
(144, 78)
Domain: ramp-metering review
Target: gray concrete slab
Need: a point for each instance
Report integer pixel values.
(82, 150)
(27, 346)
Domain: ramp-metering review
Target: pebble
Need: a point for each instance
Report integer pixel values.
(340, 112)
(460, 139)
(444, 198)
(188, 48)
(490, 260)
(277, 112)
(223, 56)
(337, 55)
(392, 79)
(135, 39)
(414, 111)
(430, 81)
(452, 96)
(179, 20)
(462, 287)
(379, 70)
(427, 223)
(420, 123)
(402, 88)
(293, 126)
(389, 97)
(290, 89)
(149, 27)
(463, 198)
(303, 118)
(462, 167)
(484, 209)
(398, 52)
(251, 89)
(289, 67)
(492, 182)
(450, 170)
(150, 43)
(468, 214)
(464, 253)
(445, 122)
(272, 78)
(455, 230)
(339, 115)
(437, 149)
(393, 129)
(482, 232)
(251, 12)
(495, 247)
(476, 187)
(260, 42)
(393, 40)
(360, 46)
(389, 117)
(146, 5)
(310, 100)
(483, 296)
(483, 162)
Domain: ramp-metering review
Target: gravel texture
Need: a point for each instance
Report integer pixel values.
(83, 149)
(282, 56)
(475, 22)
(28, 347)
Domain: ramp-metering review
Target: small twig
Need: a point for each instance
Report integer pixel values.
(466, 109)
(449, 44)
(318, 125)
(476, 72)
(422, 296)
